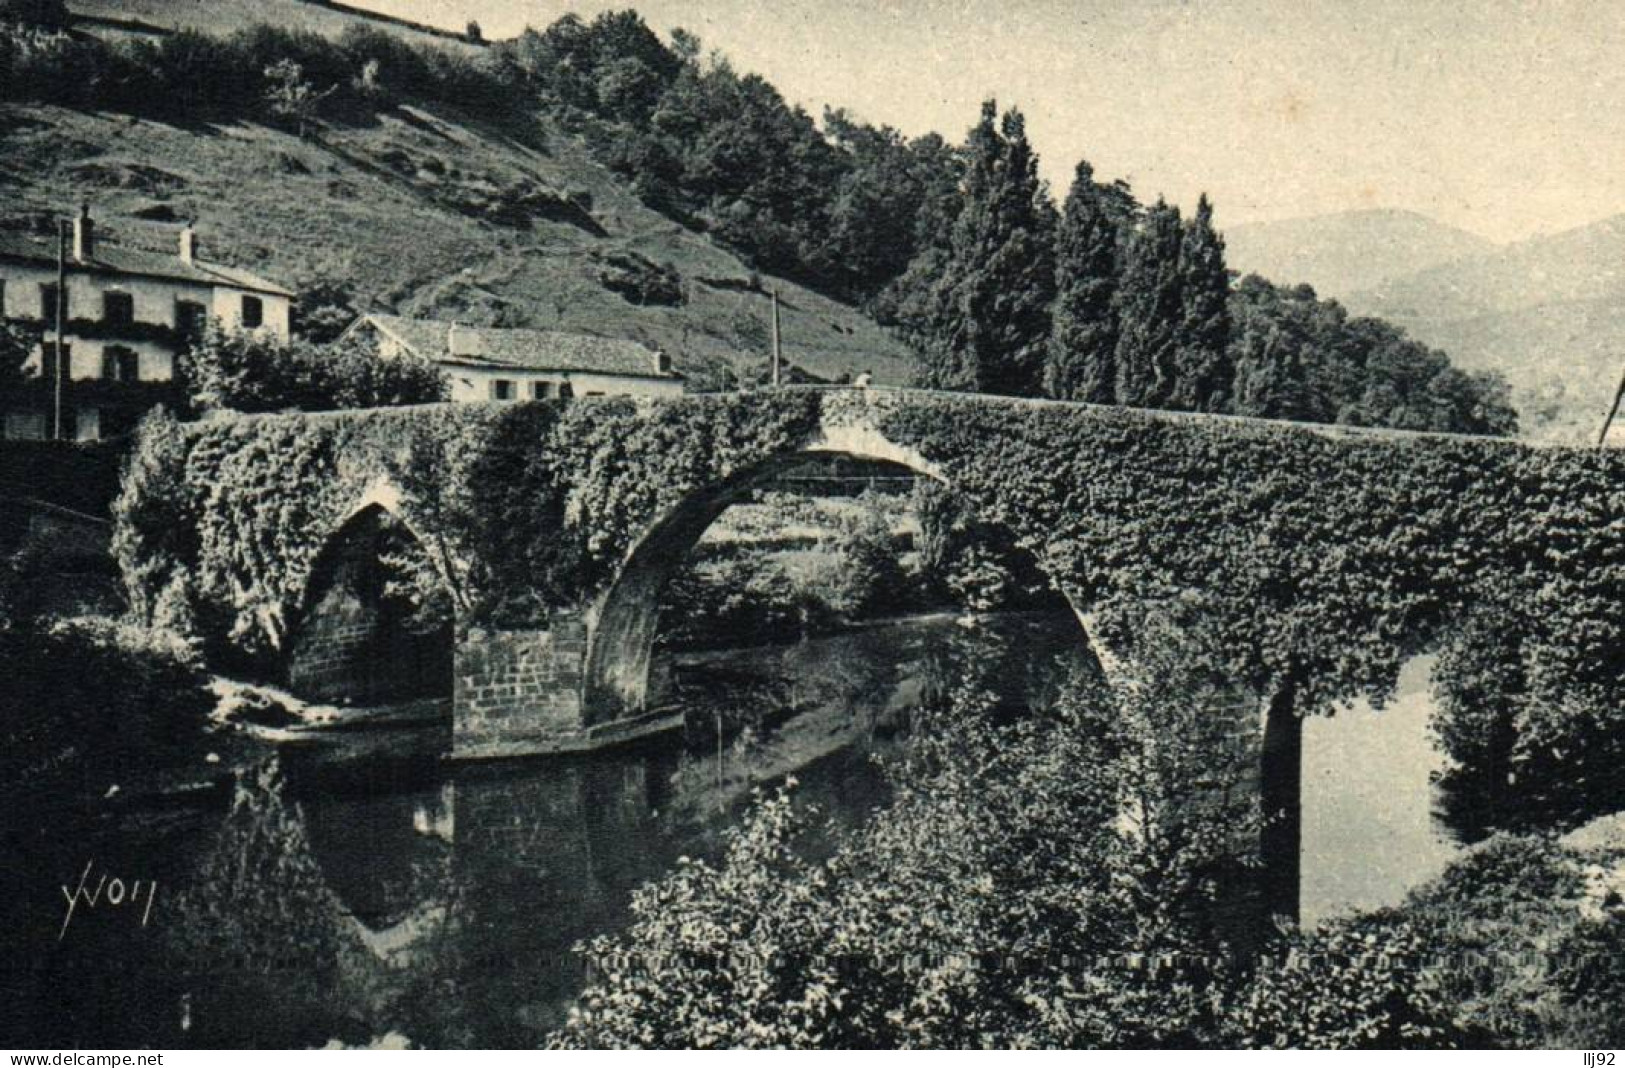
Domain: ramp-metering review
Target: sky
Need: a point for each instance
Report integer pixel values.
(1502, 117)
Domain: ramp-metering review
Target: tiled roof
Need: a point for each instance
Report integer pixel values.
(530, 350)
(115, 259)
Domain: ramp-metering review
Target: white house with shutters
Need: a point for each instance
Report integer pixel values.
(499, 363)
(128, 314)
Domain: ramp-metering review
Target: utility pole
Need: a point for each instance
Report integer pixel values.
(61, 325)
(778, 356)
(1609, 422)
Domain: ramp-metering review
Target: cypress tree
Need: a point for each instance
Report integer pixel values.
(987, 324)
(1088, 263)
(1149, 310)
(1204, 373)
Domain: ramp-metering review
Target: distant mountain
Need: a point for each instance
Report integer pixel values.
(1581, 265)
(1549, 313)
(1349, 251)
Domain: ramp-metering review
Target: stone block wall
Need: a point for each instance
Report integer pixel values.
(519, 690)
(331, 657)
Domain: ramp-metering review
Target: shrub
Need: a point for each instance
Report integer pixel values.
(246, 371)
(641, 280)
(871, 580)
(735, 600)
(1351, 984)
(997, 901)
(90, 703)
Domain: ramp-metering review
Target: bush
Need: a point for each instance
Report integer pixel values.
(871, 581)
(740, 599)
(91, 702)
(641, 280)
(255, 372)
(1352, 984)
(999, 901)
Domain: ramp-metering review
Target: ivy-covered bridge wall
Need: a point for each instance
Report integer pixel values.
(1320, 559)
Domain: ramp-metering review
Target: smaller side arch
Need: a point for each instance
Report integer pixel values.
(358, 638)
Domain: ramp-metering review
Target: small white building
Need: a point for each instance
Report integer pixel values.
(499, 363)
(129, 313)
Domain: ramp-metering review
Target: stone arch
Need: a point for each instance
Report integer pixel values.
(354, 640)
(624, 620)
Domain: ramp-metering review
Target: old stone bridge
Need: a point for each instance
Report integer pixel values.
(1322, 557)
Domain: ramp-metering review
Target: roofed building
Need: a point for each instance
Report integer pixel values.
(500, 363)
(128, 314)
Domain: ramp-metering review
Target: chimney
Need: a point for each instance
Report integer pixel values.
(460, 341)
(188, 244)
(84, 235)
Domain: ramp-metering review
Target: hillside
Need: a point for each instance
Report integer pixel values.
(489, 215)
(227, 16)
(1548, 312)
(1347, 252)
(404, 209)
(593, 177)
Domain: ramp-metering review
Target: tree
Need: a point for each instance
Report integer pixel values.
(248, 371)
(326, 307)
(1088, 264)
(1203, 373)
(988, 320)
(289, 96)
(1272, 353)
(1149, 311)
(473, 32)
(1001, 899)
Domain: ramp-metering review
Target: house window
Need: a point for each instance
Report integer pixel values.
(118, 309)
(25, 426)
(253, 312)
(566, 389)
(48, 357)
(189, 318)
(120, 364)
(47, 302)
(87, 424)
(501, 389)
(538, 390)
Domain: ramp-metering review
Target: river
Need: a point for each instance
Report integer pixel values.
(374, 893)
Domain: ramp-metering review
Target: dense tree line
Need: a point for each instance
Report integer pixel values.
(961, 249)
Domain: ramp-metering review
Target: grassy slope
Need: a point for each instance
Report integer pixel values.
(225, 16)
(394, 206)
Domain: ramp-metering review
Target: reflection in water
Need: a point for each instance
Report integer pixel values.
(1369, 828)
(365, 888)
(350, 897)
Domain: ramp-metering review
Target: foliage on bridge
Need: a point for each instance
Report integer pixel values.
(1319, 559)
(518, 508)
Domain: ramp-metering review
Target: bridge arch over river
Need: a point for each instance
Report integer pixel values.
(1325, 556)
